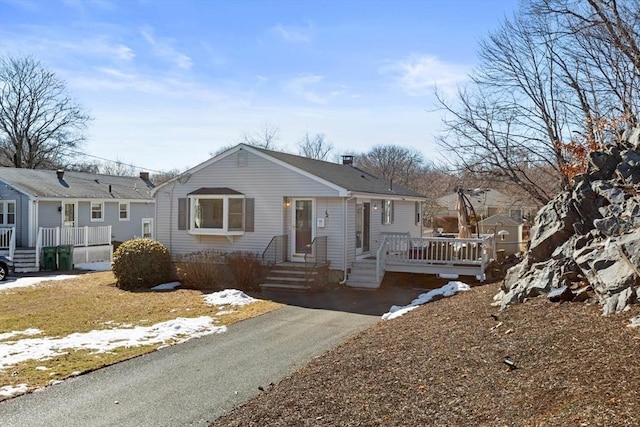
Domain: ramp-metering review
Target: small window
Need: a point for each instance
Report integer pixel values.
(7, 213)
(97, 211)
(147, 228)
(123, 211)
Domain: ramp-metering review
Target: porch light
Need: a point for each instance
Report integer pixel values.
(375, 206)
(287, 201)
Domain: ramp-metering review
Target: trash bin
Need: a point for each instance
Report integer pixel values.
(49, 258)
(65, 258)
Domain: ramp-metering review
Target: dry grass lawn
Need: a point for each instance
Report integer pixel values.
(93, 302)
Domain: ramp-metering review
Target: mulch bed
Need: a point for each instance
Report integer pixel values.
(443, 365)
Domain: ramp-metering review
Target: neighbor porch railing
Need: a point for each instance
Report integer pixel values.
(8, 239)
(72, 236)
(277, 250)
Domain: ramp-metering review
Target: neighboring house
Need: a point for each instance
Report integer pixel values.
(40, 208)
(250, 199)
(488, 202)
(509, 234)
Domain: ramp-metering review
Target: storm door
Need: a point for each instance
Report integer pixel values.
(304, 230)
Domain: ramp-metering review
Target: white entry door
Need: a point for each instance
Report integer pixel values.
(304, 230)
(69, 214)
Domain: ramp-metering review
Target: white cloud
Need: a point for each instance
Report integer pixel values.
(310, 88)
(163, 48)
(417, 75)
(293, 34)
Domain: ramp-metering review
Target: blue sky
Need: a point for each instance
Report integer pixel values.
(168, 82)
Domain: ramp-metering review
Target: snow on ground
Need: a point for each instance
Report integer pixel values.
(166, 286)
(22, 282)
(101, 341)
(93, 266)
(447, 290)
(14, 351)
(229, 297)
(8, 390)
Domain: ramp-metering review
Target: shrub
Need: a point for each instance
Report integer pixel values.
(141, 263)
(203, 270)
(246, 269)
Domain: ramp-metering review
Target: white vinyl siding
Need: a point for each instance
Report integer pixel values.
(267, 183)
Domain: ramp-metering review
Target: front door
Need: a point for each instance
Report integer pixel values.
(304, 230)
(68, 214)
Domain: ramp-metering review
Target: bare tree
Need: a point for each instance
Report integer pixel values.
(548, 79)
(118, 168)
(40, 125)
(266, 136)
(314, 146)
(392, 162)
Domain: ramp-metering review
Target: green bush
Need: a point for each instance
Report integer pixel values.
(141, 263)
(246, 269)
(203, 270)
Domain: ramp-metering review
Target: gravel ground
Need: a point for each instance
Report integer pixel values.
(443, 365)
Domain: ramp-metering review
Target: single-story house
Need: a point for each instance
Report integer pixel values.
(509, 233)
(40, 208)
(250, 199)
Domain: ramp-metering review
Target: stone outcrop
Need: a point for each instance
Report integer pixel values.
(587, 238)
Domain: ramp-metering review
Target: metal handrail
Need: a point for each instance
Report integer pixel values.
(277, 250)
(317, 248)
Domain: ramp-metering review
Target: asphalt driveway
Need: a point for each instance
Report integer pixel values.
(195, 382)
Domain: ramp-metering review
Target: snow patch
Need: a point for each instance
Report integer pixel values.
(229, 297)
(8, 390)
(166, 286)
(447, 290)
(93, 266)
(100, 341)
(30, 331)
(23, 282)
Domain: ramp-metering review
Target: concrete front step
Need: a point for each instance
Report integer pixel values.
(31, 269)
(285, 286)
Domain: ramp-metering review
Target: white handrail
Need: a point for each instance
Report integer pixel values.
(381, 260)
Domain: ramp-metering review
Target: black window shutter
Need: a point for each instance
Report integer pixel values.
(182, 214)
(249, 214)
(382, 209)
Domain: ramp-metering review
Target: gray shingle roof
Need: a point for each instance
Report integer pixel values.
(345, 176)
(76, 185)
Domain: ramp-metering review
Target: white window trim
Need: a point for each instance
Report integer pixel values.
(101, 219)
(128, 205)
(150, 221)
(224, 231)
(5, 212)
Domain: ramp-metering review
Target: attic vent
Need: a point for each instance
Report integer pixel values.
(347, 160)
(60, 174)
(242, 158)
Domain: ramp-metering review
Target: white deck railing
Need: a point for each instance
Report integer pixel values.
(436, 254)
(8, 239)
(72, 236)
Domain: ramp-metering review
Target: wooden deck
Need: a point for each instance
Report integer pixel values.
(448, 257)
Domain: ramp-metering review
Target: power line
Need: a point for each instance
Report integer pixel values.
(116, 161)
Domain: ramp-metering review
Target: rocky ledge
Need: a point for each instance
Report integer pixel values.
(585, 243)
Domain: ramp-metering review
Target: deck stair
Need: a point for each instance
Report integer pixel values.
(291, 276)
(363, 274)
(24, 260)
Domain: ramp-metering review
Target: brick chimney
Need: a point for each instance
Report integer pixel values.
(347, 160)
(60, 174)
(144, 176)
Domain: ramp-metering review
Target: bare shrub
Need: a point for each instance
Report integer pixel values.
(203, 270)
(246, 269)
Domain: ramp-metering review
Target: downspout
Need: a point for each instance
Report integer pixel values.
(344, 245)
